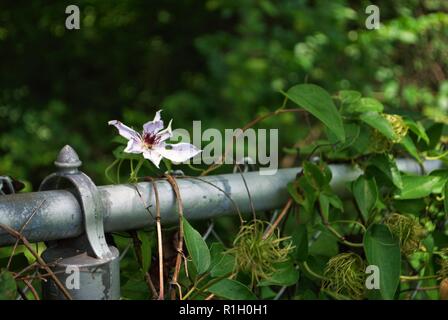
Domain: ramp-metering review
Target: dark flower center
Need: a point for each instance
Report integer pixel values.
(150, 139)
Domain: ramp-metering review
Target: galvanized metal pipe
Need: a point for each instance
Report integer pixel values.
(58, 213)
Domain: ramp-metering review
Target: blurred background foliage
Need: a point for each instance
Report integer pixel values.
(222, 62)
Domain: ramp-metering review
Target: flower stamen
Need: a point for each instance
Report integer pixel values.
(150, 140)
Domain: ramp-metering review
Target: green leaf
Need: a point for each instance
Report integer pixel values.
(326, 171)
(324, 204)
(266, 293)
(285, 275)
(349, 96)
(325, 200)
(135, 289)
(197, 248)
(299, 239)
(216, 251)
(370, 104)
(307, 189)
(303, 193)
(383, 250)
(317, 265)
(387, 165)
(365, 105)
(443, 177)
(434, 133)
(415, 187)
(352, 132)
(418, 129)
(410, 147)
(325, 245)
(232, 290)
(362, 142)
(224, 267)
(292, 190)
(8, 287)
(335, 201)
(221, 263)
(147, 242)
(365, 192)
(314, 175)
(318, 102)
(378, 122)
(412, 206)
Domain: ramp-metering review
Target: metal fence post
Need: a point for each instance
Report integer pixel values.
(86, 265)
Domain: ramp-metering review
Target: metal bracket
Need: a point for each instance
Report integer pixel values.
(88, 197)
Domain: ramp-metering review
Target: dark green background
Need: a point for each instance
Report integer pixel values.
(222, 62)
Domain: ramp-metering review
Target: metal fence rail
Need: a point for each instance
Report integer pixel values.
(73, 207)
(59, 213)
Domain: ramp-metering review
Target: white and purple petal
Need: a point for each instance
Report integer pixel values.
(166, 133)
(134, 146)
(154, 126)
(179, 152)
(125, 131)
(152, 156)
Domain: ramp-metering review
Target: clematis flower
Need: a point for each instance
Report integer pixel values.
(151, 143)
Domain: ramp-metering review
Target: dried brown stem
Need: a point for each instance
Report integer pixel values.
(37, 276)
(272, 227)
(21, 231)
(27, 268)
(159, 239)
(28, 245)
(146, 273)
(179, 257)
(210, 296)
(32, 289)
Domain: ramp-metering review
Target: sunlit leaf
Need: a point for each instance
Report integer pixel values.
(318, 102)
(418, 129)
(415, 187)
(314, 175)
(378, 122)
(365, 105)
(349, 96)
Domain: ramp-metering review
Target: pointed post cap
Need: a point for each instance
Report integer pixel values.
(68, 159)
